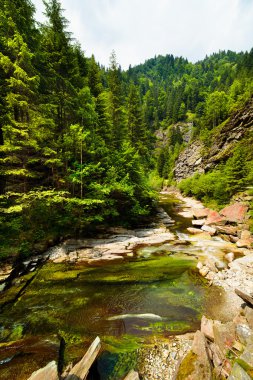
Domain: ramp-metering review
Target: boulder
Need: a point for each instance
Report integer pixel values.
(207, 327)
(48, 372)
(235, 212)
(224, 335)
(238, 373)
(196, 364)
(214, 218)
(210, 230)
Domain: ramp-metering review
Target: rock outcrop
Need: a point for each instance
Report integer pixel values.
(196, 158)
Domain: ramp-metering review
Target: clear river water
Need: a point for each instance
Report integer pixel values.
(155, 294)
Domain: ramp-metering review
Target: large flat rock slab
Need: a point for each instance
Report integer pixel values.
(235, 212)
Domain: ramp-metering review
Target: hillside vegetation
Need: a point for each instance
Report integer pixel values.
(77, 139)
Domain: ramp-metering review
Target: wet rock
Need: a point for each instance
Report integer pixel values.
(210, 230)
(243, 333)
(235, 212)
(238, 373)
(48, 372)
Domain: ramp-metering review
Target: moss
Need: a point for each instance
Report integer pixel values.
(17, 332)
(186, 366)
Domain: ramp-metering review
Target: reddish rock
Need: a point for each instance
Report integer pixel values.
(214, 218)
(235, 212)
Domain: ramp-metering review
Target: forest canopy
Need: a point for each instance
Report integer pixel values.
(77, 139)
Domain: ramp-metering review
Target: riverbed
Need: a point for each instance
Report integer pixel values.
(151, 293)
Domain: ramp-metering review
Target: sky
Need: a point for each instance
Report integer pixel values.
(140, 29)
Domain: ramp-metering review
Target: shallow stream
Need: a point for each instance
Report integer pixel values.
(153, 295)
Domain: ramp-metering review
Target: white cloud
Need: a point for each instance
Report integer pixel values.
(139, 29)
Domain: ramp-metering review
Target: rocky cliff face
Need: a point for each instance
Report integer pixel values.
(196, 158)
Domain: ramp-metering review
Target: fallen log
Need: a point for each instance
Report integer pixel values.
(132, 376)
(81, 369)
(245, 296)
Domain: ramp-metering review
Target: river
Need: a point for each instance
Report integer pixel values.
(154, 294)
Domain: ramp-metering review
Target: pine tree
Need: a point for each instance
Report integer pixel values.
(94, 78)
(136, 129)
(19, 145)
(119, 132)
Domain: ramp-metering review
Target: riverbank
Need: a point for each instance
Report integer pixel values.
(221, 348)
(161, 358)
